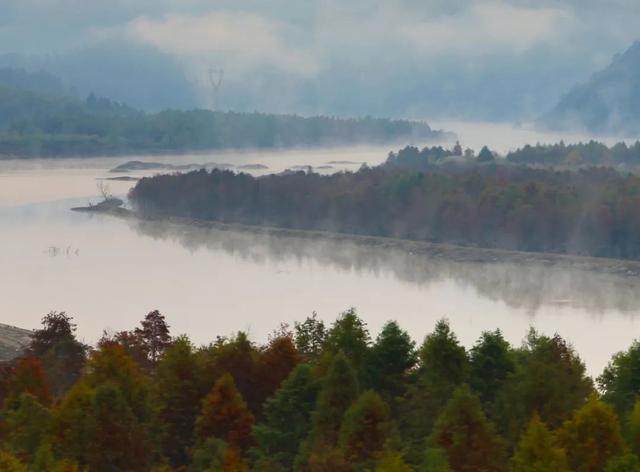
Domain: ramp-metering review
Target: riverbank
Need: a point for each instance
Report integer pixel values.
(439, 251)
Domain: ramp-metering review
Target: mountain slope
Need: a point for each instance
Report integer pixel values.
(608, 103)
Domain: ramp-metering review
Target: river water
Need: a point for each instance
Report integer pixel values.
(108, 273)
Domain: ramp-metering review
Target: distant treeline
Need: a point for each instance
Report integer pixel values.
(36, 125)
(592, 211)
(592, 153)
(314, 398)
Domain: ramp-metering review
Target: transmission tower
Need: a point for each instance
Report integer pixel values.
(215, 77)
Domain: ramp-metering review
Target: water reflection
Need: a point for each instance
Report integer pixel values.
(528, 287)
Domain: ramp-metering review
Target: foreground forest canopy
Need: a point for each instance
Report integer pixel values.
(32, 124)
(314, 398)
(434, 195)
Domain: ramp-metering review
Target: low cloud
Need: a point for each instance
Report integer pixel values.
(244, 40)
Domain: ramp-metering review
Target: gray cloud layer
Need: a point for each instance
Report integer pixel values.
(483, 58)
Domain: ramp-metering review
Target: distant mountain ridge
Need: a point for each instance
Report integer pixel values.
(608, 103)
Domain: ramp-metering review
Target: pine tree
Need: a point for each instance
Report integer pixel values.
(154, 334)
(537, 450)
(392, 356)
(225, 415)
(287, 418)
(349, 335)
(435, 460)
(549, 379)
(491, 362)
(466, 436)
(591, 437)
(339, 390)
(177, 395)
(310, 337)
(62, 355)
(365, 430)
(443, 367)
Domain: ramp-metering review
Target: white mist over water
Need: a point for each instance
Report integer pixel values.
(210, 282)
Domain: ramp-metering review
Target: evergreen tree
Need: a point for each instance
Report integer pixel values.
(620, 381)
(435, 460)
(154, 333)
(537, 450)
(491, 362)
(339, 390)
(591, 437)
(549, 379)
(225, 415)
(177, 396)
(310, 337)
(208, 455)
(485, 155)
(62, 355)
(392, 461)
(287, 418)
(443, 367)
(466, 436)
(392, 356)
(624, 463)
(349, 335)
(633, 428)
(365, 430)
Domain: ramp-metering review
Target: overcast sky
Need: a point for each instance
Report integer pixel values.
(411, 55)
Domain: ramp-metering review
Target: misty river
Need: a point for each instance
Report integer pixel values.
(108, 273)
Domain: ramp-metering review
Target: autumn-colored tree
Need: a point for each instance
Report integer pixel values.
(62, 355)
(27, 376)
(287, 418)
(177, 392)
(26, 423)
(10, 463)
(392, 356)
(96, 427)
(339, 390)
(239, 357)
(365, 430)
(225, 415)
(277, 360)
(538, 451)
(469, 440)
(591, 437)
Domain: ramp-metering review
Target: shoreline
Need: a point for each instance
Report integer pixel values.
(441, 251)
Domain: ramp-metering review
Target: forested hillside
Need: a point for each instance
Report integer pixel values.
(609, 102)
(34, 124)
(417, 195)
(314, 398)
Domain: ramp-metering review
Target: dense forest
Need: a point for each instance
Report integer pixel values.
(32, 125)
(591, 211)
(314, 398)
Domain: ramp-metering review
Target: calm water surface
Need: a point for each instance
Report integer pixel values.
(108, 272)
